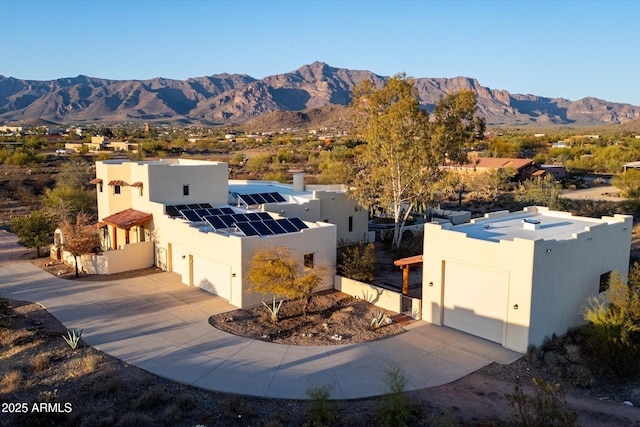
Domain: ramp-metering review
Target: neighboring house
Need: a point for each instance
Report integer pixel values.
(516, 278)
(631, 165)
(177, 213)
(326, 203)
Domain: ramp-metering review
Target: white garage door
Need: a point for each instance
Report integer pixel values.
(475, 299)
(212, 276)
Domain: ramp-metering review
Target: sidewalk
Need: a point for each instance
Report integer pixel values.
(160, 325)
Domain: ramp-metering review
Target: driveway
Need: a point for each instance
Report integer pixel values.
(607, 193)
(160, 325)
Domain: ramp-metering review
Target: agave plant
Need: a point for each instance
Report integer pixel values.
(378, 320)
(73, 337)
(274, 309)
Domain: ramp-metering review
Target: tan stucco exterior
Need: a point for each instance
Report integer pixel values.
(215, 261)
(501, 278)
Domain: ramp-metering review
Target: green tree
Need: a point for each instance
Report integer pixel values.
(276, 272)
(34, 230)
(628, 183)
(66, 202)
(404, 152)
(80, 237)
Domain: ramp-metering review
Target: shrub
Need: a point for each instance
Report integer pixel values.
(320, 410)
(357, 262)
(547, 406)
(41, 362)
(11, 381)
(395, 409)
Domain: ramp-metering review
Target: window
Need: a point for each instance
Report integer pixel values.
(605, 281)
(308, 261)
(185, 190)
(351, 223)
(116, 189)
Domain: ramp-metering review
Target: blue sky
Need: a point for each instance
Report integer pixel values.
(569, 49)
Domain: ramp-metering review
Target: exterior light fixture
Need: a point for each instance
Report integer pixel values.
(515, 306)
(430, 283)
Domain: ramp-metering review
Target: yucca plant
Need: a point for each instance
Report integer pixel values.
(73, 337)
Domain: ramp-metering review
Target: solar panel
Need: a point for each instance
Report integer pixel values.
(274, 226)
(215, 222)
(252, 216)
(247, 199)
(298, 223)
(262, 229)
(172, 211)
(227, 220)
(227, 211)
(277, 197)
(263, 215)
(201, 212)
(287, 225)
(193, 206)
(191, 215)
(181, 207)
(239, 218)
(247, 229)
(205, 205)
(214, 211)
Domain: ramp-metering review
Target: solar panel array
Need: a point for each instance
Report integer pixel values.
(174, 210)
(260, 198)
(249, 223)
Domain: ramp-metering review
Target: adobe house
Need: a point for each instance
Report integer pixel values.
(175, 214)
(516, 278)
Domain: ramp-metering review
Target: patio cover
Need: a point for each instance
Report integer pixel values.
(127, 218)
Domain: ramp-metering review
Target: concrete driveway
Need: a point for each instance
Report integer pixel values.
(160, 325)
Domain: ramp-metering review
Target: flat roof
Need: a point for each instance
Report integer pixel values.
(253, 187)
(542, 225)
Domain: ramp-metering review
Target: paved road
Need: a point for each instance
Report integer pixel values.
(160, 325)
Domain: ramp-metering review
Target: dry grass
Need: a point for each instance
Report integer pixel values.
(41, 362)
(11, 381)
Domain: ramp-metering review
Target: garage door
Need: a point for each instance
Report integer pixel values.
(212, 276)
(475, 299)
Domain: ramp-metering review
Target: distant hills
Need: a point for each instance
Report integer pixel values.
(316, 91)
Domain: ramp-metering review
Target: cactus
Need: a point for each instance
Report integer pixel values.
(378, 320)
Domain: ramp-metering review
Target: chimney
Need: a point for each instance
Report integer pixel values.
(298, 181)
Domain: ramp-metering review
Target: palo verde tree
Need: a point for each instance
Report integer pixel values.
(404, 152)
(34, 230)
(80, 237)
(276, 272)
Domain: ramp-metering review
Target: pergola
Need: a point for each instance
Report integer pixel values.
(125, 220)
(405, 264)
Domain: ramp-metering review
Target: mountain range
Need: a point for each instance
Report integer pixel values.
(231, 99)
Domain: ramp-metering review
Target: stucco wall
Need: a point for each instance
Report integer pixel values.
(379, 297)
(548, 281)
(566, 273)
(131, 257)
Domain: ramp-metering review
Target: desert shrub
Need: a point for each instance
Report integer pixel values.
(320, 410)
(278, 175)
(91, 362)
(357, 262)
(41, 362)
(545, 408)
(11, 381)
(107, 383)
(395, 409)
(258, 163)
(613, 333)
(152, 398)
